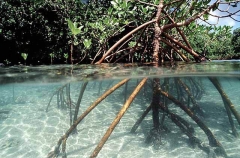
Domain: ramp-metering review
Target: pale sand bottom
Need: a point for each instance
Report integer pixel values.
(27, 131)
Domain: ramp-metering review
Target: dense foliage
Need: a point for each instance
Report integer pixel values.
(72, 31)
(37, 28)
(213, 42)
(236, 40)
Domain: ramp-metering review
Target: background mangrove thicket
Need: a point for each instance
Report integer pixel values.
(39, 32)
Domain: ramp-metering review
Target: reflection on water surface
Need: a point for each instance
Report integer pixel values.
(190, 110)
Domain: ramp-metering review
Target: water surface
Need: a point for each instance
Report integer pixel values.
(31, 124)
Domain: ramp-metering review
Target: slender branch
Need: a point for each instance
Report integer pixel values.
(224, 16)
(193, 18)
(176, 50)
(229, 2)
(192, 52)
(123, 39)
(180, 31)
(105, 43)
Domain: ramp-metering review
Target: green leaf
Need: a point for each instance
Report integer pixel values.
(132, 44)
(87, 43)
(51, 55)
(75, 43)
(205, 16)
(115, 5)
(156, 2)
(24, 55)
(124, 5)
(73, 27)
(65, 55)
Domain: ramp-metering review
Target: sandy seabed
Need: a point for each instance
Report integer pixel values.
(28, 131)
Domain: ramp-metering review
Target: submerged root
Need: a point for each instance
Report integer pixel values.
(228, 105)
(84, 85)
(225, 98)
(195, 107)
(197, 88)
(135, 126)
(174, 117)
(118, 118)
(159, 103)
(61, 99)
(64, 138)
(213, 142)
(154, 137)
(55, 152)
(187, 129)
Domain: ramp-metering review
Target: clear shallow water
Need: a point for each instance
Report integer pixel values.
(28, 131)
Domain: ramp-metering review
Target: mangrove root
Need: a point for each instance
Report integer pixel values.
(188, 130)
(195, 107)
(212, 140)
(118, 118)
(135, 126)
(63, 139)
(84, 85)
(225, 98)
(60, 97)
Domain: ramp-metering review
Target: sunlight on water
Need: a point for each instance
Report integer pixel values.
(37, 105)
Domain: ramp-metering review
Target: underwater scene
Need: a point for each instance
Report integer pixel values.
(118, 111)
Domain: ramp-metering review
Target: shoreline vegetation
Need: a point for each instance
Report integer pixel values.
(234, 57)
(117, 31)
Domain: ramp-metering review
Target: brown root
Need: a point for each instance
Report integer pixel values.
(118, 118)
(63, 139)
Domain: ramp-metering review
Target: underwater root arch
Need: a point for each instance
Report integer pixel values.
(164, 91)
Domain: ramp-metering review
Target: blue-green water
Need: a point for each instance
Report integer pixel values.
(27, 130)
